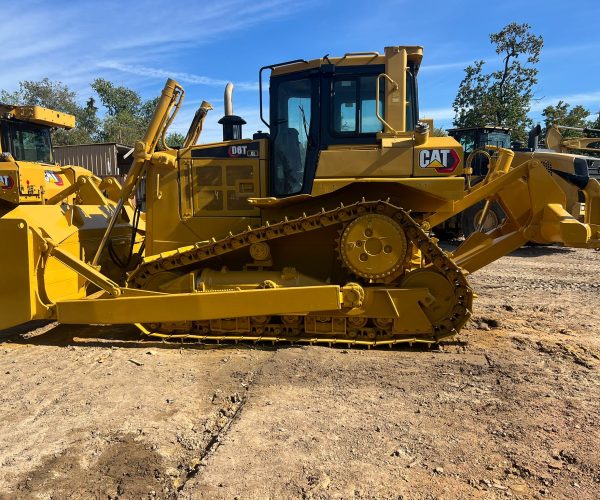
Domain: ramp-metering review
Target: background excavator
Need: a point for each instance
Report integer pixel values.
(317, 231)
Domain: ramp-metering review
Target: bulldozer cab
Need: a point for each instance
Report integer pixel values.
(27, 170)
(26, 141)
(332, 122)
(326, 104)
(25, 131)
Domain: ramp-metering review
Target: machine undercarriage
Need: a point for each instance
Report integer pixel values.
(397, 284)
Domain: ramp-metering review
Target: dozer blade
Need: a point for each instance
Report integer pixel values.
(32, 280)
(43, 255)
(17, 287)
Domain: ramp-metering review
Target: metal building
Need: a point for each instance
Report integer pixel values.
(103, 159)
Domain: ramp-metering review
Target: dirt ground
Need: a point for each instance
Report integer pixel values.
(510, 409)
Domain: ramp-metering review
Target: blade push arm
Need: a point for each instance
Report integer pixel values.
(535, 208)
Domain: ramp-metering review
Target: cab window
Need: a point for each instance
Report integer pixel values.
(27, 142)
(497, 138)
(353, 101)
(369, 123)
(290, 126)
(467, 141)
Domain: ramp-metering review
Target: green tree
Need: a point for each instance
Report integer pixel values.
(175, 140)
(123, 128)
(88, 119)
(562, 115)
(46, 93)
(438, 132)
(147, 109)
(127, 115)
(117, 100)
(125, 119)
(58, 96)
(501, 97)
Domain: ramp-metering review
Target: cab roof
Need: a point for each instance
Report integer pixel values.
(414, 55)
(37, 114)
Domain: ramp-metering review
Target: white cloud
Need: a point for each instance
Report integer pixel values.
(583, 98)
(134, 38)
(182, 77)
(437, 113)
(195, 23)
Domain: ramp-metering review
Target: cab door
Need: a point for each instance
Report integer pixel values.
(294, 133)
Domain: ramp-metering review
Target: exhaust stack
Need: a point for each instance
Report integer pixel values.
(232, 124)
(228, 99)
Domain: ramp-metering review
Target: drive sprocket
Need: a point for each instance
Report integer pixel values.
(374, 247)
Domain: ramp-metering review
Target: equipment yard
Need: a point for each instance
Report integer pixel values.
(510, 407)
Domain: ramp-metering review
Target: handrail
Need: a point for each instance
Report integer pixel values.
(271, 67)
(359, 54)
(377, 113)
(585, 130)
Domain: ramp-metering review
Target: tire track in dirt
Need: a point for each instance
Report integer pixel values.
(232, 414)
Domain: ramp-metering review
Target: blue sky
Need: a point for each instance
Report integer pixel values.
(204, 44)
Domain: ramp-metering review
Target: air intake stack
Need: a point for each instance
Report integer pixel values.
(232, 124)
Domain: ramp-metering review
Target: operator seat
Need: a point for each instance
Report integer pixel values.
(289, 160)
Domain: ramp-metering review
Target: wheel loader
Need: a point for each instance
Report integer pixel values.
(317, 230)
(474, 141)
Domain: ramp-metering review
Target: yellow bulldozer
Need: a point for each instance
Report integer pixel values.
(318, 230)
(50, 214)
